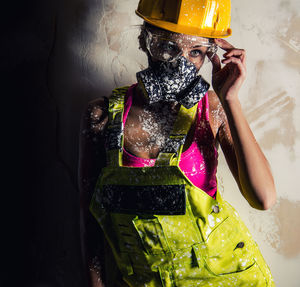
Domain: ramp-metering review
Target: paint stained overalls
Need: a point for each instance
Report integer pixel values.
(163, 230)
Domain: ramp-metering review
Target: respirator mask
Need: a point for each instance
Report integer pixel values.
(170, 76)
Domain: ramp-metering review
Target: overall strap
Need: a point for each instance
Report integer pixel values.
(114, 137)
(171, 152)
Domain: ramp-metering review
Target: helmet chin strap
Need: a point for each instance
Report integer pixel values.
(172, 82)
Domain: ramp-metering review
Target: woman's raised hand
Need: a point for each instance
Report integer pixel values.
(227, 80)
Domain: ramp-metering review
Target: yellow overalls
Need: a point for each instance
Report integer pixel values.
(163, 230)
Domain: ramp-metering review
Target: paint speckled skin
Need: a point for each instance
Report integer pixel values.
(199, 162)
(207, 246)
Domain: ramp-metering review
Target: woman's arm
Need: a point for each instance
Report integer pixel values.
(91, 160)
(243, 154)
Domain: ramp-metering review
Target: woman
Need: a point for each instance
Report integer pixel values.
(156, 199)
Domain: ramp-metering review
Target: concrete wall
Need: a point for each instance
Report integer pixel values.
(62, 54)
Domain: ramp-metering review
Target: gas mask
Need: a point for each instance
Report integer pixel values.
(173, 81)
(170, 76)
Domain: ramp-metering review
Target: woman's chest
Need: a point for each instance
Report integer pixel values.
(146, 130)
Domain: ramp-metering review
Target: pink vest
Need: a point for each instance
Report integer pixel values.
(199, 162)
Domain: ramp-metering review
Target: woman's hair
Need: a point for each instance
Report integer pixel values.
(143, 35)
(142, 38)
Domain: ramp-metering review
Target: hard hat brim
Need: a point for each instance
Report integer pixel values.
(182, 29)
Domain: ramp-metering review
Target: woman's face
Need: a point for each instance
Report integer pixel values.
(167, 46)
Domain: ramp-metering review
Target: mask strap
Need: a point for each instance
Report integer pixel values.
(171, 152)
(114, 136)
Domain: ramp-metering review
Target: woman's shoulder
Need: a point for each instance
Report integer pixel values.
(213, 100)
(98, 105)
(96, 115)
(217, 116)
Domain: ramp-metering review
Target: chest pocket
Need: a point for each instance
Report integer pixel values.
(151, 234)
(164, 234)
(231, 248)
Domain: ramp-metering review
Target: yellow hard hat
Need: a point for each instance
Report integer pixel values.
(204, 18)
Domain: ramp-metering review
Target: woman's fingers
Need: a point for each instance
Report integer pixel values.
(232, 55)
(223, 44)
(236, 61)
(231, 51)
(238, 53)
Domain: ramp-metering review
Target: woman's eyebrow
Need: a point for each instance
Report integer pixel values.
(198, 46)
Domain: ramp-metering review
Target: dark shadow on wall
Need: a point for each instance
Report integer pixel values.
(42, 104)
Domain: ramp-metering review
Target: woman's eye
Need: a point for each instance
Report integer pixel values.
(196, 53)
(168, 46)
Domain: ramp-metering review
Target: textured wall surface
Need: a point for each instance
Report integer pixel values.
(270, 33)
(66, 53)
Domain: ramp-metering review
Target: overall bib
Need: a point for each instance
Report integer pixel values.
(163, 230)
